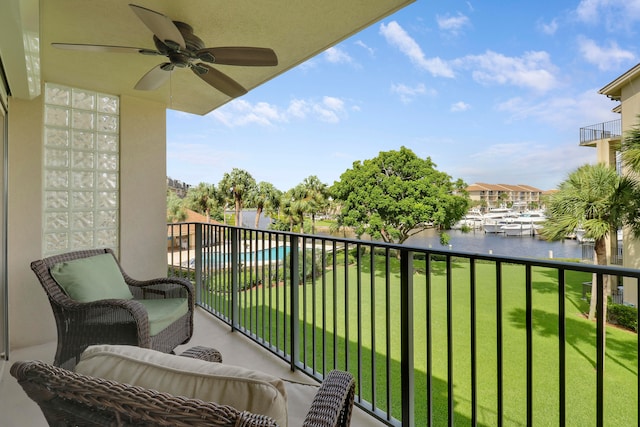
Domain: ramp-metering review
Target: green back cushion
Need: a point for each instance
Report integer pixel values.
(91, 279)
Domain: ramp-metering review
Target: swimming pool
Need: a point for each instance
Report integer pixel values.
(269, 255)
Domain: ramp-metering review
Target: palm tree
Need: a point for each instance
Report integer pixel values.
(264, 196)
(203, 198)
(175, 208)
(600, 201)
(237, 185)
(315, 194)
(630, 148)
(293, 207)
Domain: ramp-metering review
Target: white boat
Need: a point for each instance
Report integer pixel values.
(517, 229)
(495, 225)
(473, 219)
(496, 218)
(526, 224)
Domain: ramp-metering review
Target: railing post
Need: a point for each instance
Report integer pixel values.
(406, 333)
(235, 305)
(198, 261)
(294, 327)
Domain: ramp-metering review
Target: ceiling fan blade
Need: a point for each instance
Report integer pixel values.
(155, 77)
(160, 25)
(104, 48)
(218, 80)
(247, 56)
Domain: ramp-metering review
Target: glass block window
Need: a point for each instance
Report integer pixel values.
(81, 170)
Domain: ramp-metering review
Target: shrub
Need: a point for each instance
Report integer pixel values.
(623, 315)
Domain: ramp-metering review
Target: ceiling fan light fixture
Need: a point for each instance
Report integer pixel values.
(199, 69)
(207, 57)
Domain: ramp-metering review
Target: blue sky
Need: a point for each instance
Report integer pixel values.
(493, 91)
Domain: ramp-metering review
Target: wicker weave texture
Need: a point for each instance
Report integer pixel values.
(80, 325)
(68, 398)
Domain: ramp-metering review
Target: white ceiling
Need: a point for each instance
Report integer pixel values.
(295, 30)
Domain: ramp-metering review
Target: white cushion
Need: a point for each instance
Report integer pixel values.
(241, 388)
(299, 399)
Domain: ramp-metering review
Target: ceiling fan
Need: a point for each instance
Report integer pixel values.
(176, 41)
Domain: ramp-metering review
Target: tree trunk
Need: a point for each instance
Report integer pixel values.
(238, 212)
(258, 213)
(600, 254)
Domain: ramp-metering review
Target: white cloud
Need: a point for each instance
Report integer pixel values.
(459, 107)
(605, 57)
(367, 48)
(548, 28)
(614, 15)
(407, 93)
(239, 112)
(336, 55)
(452, 24)
(515, 160)
(398, 37)
(570, 112)
(330, 110)
(533, 70)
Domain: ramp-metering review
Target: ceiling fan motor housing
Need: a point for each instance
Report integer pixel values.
(179, 57)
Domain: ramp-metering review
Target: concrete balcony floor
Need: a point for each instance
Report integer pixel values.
(16, 409)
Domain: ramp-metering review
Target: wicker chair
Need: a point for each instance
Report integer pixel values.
(112, 321)
(71, 399)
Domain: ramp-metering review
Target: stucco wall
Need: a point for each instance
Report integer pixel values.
(142, 208)
(30, 318)
(630, 110)
(143, 188)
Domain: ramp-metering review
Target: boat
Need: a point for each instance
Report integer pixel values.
(473, 219)
(495, 225)
(496, 218)
(526, 224)
(517, 229)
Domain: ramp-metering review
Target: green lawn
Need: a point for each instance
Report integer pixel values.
(368, 326)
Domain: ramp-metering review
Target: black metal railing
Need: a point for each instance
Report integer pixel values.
(432, 337)
(611, 129)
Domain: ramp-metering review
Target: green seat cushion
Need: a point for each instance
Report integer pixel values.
(91, 279)
(163, 312)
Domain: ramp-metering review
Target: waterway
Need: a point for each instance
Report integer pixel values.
(499, 244)
(474, 241)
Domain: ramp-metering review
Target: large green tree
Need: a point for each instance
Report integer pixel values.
(265, 196)
(398, 194)
(236, 186)
(598, 199)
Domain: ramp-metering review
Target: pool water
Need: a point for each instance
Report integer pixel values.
(276, 253)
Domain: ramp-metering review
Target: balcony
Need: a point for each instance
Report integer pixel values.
(433, 337)
(612, 130)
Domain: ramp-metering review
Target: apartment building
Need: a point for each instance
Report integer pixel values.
(519, 196)
(606, 138)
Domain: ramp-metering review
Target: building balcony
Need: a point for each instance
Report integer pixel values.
(433, 337)
(611, 131)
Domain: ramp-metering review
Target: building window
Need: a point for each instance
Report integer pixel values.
(81, 170)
